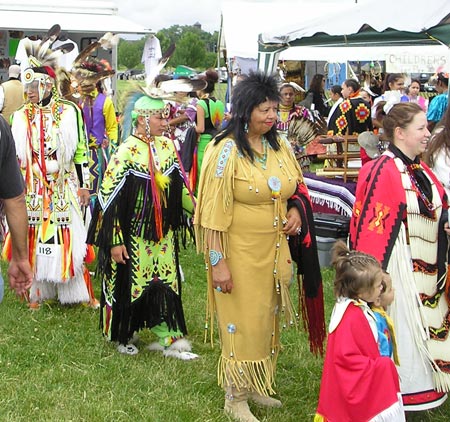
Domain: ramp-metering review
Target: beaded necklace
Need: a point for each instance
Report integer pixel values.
(416, 187)
(263, 159)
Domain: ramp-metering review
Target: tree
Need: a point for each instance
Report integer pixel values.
(189, 51)
(194, 47)
(129, 53)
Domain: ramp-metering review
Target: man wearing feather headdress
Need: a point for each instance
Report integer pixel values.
(139, 219)
(99, 113)
(51, 148)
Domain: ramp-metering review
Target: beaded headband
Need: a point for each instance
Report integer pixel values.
(164, 112)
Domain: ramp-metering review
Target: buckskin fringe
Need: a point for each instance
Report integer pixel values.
(256, 376)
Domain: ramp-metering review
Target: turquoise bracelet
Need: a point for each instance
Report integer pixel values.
(214, 257)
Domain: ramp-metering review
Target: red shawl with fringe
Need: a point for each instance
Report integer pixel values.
(304, 252)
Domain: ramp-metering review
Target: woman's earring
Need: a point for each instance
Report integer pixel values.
(245, 127)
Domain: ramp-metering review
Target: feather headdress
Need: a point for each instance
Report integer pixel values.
(301, 131)
(88, 70)
(41, 55)
(43, 61)
(155, 92)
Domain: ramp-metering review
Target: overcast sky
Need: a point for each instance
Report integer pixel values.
(158, 14)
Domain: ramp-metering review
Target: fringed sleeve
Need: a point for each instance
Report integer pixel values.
(81, 152)
(304, 253)
(213, 214)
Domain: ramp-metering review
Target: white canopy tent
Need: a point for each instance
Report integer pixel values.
(83, 21)
(368, 24)
(242, 21)
(81, 16)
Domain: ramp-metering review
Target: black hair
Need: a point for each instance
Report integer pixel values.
(251, 91)
(336, 89)
(316, 83)
(443, 77)
(353, 84)
(391, 78)
(416, 81)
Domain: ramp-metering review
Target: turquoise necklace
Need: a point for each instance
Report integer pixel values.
(263, 159)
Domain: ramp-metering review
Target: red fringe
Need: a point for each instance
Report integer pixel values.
(312, 313)
(61, 234)
(32, 246)
(90, 254)
(193, 174)
(88, 282)
(156, 195)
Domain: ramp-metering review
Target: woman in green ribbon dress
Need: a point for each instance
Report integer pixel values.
(141, 212)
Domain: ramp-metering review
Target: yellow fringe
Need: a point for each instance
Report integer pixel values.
(210, 310)
(205, 237)
(319, 418)
(256, 376)
(162, 181)
(288, 315)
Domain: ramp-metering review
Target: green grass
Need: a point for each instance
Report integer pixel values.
(55, 366)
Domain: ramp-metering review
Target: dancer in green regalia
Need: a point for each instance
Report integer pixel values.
(142, 210)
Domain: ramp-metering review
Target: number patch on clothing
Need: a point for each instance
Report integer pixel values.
(45, 249)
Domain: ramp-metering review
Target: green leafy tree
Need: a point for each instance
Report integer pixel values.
(190, 51)
(194, 47)
(129, 53)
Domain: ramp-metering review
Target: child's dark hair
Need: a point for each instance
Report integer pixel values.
(356, 271)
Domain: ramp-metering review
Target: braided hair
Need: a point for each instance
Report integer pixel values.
(356, 271)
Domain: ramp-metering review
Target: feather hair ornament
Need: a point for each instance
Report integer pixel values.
(87, 70)
(40, 52)
(156, 70)
(301, 131)
(165, 90)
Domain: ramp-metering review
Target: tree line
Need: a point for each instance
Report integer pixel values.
(194, 48)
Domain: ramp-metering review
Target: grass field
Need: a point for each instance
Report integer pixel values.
(55, 366)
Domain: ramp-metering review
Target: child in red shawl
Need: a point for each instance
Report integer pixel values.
(358, 384)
